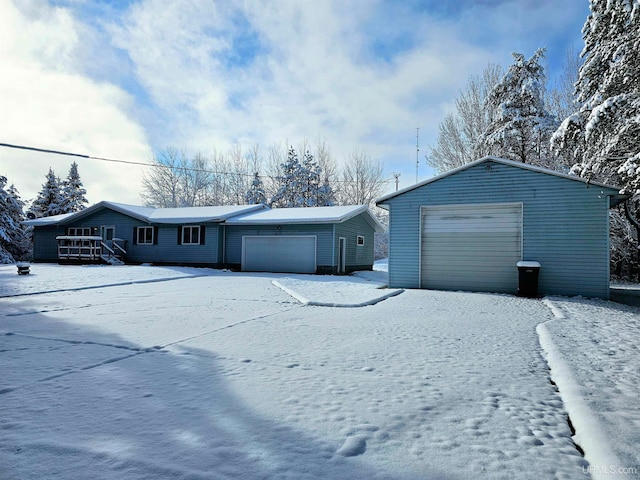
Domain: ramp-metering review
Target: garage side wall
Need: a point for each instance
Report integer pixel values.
(324, 242)
(565, 225)
(358, 257)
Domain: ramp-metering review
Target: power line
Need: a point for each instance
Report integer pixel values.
(143, 164)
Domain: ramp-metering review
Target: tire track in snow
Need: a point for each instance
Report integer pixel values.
(93, 287)
(231, 325)
(588, 437)
(135, 350)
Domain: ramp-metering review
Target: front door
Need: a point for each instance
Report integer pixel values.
(108, 233)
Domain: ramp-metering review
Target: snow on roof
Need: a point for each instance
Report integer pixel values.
(155, 215)
(306, 215)
(231, 214)
(200, 214)
(52, 220)
(616, 196)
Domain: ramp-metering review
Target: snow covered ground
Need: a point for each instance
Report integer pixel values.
(150, 372)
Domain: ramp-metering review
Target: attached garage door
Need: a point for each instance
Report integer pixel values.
(282, 253)
(471, 247)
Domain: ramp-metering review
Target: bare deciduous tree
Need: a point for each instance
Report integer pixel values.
(460, 134)
(361, 179)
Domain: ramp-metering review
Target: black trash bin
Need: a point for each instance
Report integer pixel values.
(528, 273)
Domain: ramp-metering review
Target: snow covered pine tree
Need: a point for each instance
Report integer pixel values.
(256, 194)
(73, 191)
(604, 134)
(522, 126)
(14, 238)
(49, 200)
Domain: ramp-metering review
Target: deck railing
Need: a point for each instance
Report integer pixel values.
(83, 248)
(79, 248)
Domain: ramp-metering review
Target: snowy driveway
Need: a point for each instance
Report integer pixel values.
(228, 376)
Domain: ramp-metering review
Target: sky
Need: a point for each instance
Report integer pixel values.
(124, 79)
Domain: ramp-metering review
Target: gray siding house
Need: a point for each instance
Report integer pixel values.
(303, 240)
(114, 232)
(468, 228)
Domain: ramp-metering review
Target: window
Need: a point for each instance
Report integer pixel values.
(360, 240)
(79, 231)
(145, 236)
(191, 235)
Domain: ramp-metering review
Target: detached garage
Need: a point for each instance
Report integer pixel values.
(493, 230)
(468, 228)
(328, 240)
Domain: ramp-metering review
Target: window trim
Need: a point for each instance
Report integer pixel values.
(142, 236)
(360, 240)
(190, 228)
(79, 231)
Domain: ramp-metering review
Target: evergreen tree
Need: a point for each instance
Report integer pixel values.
(14, 239)
(288, 194)
(309, 181)
(256, 194)
(73, 192)
(522, 126)
(603, 136)
(326, 195)
(49, 200)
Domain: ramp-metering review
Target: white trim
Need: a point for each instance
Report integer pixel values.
(138, 242)
(503, 161)
(190, 227)
(358, 237)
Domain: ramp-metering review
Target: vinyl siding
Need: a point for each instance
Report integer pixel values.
(358, 257)
(165, 251)
(565, 225)
(45, 246)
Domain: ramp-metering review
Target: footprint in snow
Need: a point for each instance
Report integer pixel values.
(353, 446)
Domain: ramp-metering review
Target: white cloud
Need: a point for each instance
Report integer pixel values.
(207, 74)
(47, 102)
(314, 74)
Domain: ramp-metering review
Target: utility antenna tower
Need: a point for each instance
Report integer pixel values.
(417, 152)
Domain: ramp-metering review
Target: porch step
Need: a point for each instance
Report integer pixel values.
(111, 260)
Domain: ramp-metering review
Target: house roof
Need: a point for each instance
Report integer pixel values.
(317, 215)
(230, 214)
(154, 215)
(53, 219)
(614, 192)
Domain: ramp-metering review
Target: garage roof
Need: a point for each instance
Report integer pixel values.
(614, 192)
(306, 215)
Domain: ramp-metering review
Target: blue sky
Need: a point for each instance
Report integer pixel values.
(124, 78)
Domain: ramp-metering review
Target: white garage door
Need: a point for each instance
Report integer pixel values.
(281, 253)
(471, 247)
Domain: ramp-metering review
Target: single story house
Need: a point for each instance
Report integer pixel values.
(468, 228)
(305, 240)
(110, 232)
